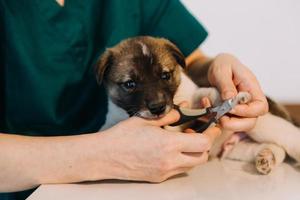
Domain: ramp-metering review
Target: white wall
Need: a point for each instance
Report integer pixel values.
(263, 34)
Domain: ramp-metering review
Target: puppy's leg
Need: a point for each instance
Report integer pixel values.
(210, 92)
(272, 129)
(265, 156)
(231, 142)
(244, 151)
(270, 156)
(218, 145)
(215, 97)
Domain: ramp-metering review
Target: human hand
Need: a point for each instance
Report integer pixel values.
(230, 76)
(139, 149)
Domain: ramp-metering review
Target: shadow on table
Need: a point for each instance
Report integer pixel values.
(112, 181)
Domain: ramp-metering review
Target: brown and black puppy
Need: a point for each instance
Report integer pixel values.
(144, 77)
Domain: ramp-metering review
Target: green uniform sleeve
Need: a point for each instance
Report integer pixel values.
(171, 20)
(1, 68)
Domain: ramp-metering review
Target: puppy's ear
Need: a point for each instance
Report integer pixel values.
(102, 65)
(176, 53)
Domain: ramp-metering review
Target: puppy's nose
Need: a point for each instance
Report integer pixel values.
(157, 108)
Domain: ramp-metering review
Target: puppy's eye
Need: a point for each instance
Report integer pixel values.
(166, 76)
(129, 85)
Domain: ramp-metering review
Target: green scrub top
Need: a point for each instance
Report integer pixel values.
(47, 54)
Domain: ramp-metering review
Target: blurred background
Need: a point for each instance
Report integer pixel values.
(264, 35)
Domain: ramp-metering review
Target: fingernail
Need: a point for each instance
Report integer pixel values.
(228, 94)
(233, 110)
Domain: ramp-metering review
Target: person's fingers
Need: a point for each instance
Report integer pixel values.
(205, 102)
(223, 80)
(229, 75)
(253, 109)
(175, 172)
(193, 159)
(237, 124)
(189, 130)
(212, 133)
(195, 142)
(258, 105)
(172, 117)
(186, 162)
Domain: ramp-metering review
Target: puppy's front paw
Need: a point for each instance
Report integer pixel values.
(265, 161)
(243, 97)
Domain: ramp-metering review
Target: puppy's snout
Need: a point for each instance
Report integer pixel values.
(157, 108)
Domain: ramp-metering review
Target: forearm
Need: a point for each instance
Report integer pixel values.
(26, 162)
(197, 68)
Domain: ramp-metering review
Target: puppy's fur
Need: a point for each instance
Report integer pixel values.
(144, 77)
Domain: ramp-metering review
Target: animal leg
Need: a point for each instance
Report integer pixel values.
(272, 129)
(265, 156)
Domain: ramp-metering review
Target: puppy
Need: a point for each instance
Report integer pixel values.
(144, 77)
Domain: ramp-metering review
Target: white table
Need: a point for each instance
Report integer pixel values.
(214, 180)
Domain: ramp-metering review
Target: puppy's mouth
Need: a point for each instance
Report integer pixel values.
(146, 113)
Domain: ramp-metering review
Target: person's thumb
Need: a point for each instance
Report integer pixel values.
(225, 85)
(172, 117)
